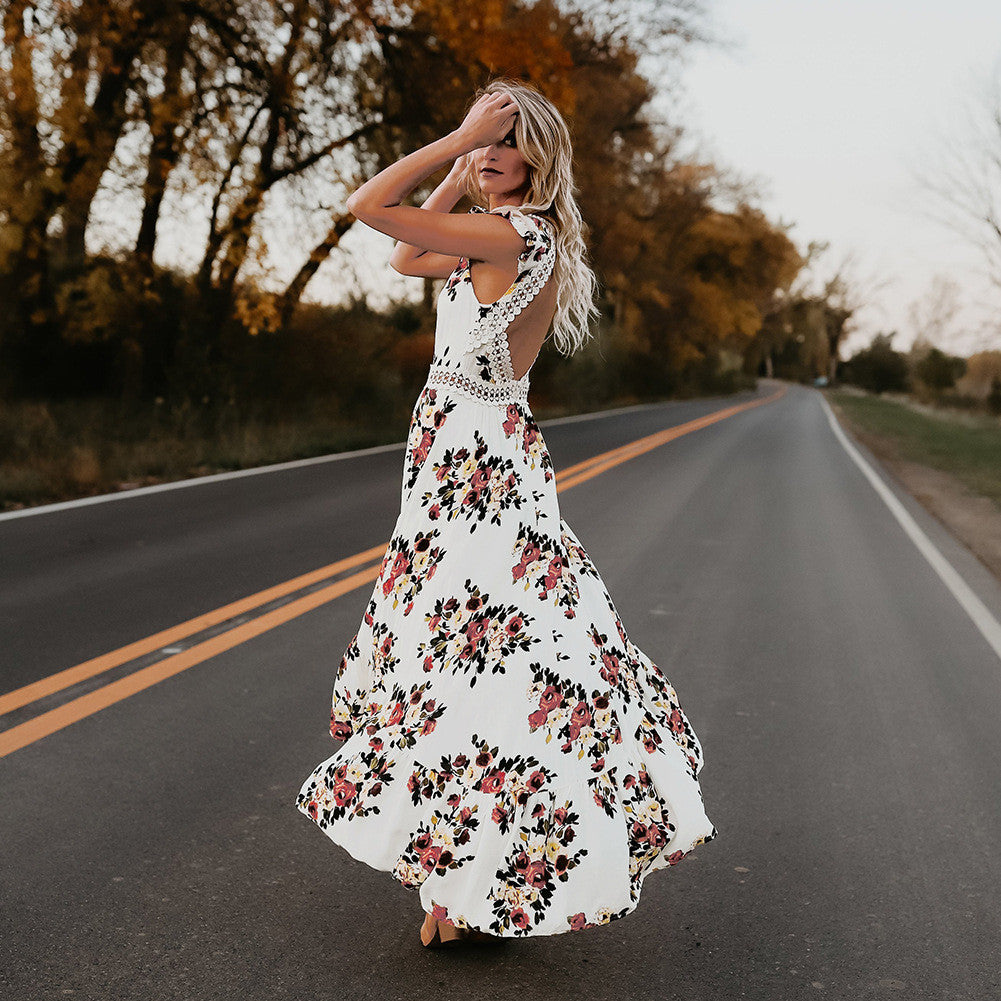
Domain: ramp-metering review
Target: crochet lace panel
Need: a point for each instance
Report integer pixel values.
(490, 326)
(494, 318)
(500, 393)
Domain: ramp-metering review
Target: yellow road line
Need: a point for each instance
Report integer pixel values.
(63, 679)
(86, 705)
(573, 475)
(76, 709)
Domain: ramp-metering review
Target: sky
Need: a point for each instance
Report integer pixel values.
(835, 109)
(831, 109)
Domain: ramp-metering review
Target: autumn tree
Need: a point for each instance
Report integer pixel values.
(69, 79)
(254, 120)
(983, 370)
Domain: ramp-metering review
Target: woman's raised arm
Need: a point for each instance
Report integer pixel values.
(410, 260)
(481, 237)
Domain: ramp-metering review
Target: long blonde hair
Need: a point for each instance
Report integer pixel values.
(543, 139)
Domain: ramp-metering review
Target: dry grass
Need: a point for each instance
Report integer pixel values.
(963, 444)
(52, 452)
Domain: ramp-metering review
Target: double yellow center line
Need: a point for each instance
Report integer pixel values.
(172, 663)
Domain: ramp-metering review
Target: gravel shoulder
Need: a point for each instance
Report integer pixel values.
(974, 519)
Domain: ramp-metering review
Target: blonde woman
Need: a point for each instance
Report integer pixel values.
(508, 752)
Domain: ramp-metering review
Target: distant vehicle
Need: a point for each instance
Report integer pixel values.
(821, 380)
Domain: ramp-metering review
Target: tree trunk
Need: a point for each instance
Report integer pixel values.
(88, 150)
(28, 195)
(290, 297)
(166, 146)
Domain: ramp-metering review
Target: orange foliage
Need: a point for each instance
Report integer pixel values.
(981, 370)
(504, 38)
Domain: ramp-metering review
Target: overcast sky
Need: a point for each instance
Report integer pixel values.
(832, 106)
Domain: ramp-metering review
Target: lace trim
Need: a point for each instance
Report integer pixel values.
(495, 318)
(485, 392)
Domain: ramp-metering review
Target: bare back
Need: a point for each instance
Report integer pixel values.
(528, 329)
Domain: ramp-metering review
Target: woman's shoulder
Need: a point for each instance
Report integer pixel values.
(537, 229)
(513, 211)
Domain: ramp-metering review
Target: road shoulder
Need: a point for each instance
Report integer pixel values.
(974, 520)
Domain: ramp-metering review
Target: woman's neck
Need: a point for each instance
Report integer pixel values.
(512, 200)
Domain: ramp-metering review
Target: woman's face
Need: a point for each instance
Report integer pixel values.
(501, 171)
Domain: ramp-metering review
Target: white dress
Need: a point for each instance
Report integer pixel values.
(507, 750)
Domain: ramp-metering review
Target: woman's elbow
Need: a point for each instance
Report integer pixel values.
(365, 211)
(359, 202)
(401, 263)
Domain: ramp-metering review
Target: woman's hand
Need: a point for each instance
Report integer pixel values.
(460, 166)
(488, 121)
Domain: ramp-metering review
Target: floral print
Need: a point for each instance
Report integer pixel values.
(473, 635)
(520, 425)
(509, 780)
(585, 724)
(434, 847)
(428, 420)
(543, 565)
(526, 881)
(406, 566)
(504, 749)
(345, 789)
(473, 484)
(402, 718)
(349, 706)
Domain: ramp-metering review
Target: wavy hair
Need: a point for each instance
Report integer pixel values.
(543, 139)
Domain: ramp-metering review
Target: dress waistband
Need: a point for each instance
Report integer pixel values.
(499, 394)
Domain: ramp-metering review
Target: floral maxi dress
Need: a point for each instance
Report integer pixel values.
(507, 750)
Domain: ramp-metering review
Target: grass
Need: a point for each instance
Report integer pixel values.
(55, 451)
(968, 446)
(61, 451)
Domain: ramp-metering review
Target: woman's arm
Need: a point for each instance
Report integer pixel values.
(481, 237)
(410, 260)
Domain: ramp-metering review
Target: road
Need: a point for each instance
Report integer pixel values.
(847, 705)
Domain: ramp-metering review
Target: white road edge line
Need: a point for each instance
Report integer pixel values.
(982, 618)
(193, 481)
(196, 481)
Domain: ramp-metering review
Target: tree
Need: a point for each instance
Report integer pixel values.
(812, 315)
(964, 180)
(933, 316)
(249, 114)
(878, 368)
(994, 396)
(982, 369)
(939, 371)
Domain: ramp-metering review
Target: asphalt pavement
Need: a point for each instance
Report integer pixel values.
(848, 707)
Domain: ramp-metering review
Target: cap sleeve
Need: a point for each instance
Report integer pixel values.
(536, 233)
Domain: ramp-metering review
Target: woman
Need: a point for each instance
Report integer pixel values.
(508, 751)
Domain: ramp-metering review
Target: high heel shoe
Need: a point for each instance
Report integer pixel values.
(432, 936)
